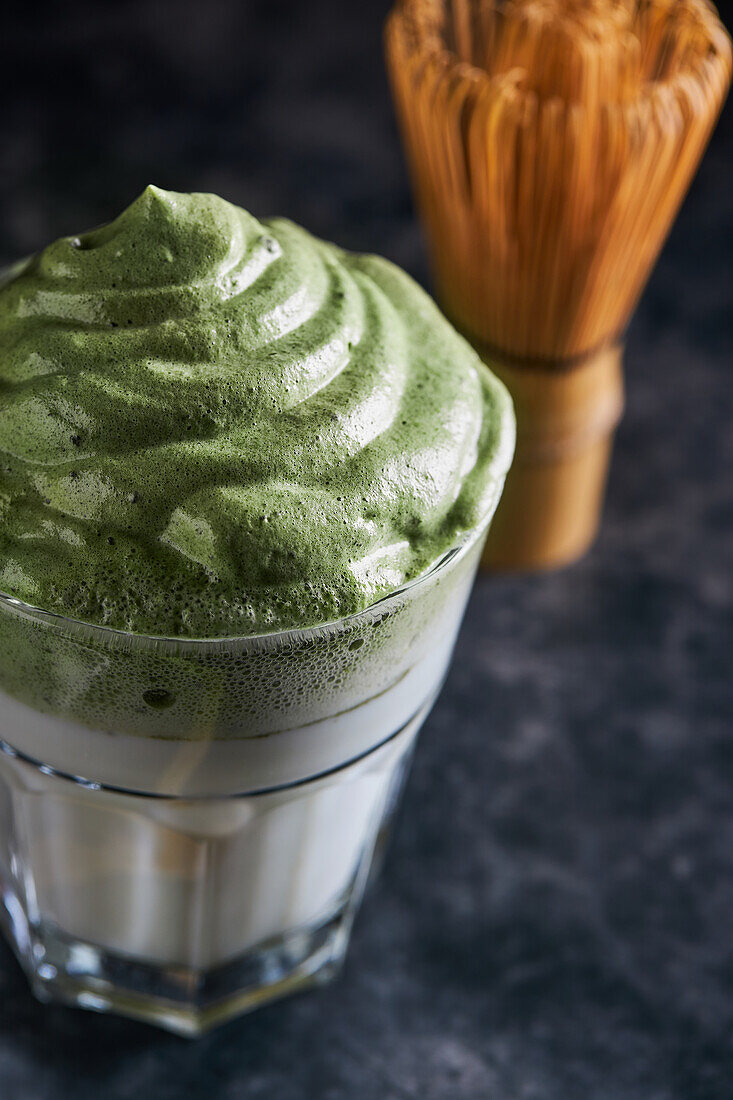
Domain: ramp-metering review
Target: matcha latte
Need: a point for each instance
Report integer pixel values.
(244, 479)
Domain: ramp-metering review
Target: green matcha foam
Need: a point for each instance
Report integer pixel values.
(215, 426)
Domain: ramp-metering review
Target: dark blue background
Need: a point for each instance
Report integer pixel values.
(555, 919)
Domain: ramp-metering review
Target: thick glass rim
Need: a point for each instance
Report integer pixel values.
(114, 635)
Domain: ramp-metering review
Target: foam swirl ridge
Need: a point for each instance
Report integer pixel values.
(212, 425)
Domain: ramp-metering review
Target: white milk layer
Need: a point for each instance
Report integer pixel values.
(190, 880)
(192, 848)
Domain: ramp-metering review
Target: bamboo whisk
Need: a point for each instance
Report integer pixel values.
(551, 143)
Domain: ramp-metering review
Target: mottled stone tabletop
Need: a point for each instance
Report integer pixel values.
(555, 917)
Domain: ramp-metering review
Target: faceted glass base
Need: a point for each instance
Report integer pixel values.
(182, 1000)
(187, 912)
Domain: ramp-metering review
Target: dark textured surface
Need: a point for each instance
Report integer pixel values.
(554, 919)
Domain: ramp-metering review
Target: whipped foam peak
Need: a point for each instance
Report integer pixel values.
(212, 425)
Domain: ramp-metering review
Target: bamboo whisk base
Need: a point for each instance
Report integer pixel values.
(549, 515)
(566, 416)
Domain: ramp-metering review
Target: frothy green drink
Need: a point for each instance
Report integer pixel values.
(244, 480)
(215, 426)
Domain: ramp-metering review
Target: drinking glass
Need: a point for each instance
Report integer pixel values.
(187, 825)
